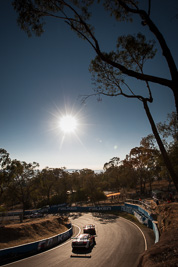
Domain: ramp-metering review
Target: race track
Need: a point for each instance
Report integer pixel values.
(118, 243)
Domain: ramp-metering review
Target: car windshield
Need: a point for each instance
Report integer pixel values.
(84, 237)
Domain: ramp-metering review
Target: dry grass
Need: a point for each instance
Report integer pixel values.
(31, 230)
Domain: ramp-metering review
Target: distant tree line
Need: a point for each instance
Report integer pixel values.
(23, 183)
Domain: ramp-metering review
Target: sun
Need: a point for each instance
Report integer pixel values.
(68, 124)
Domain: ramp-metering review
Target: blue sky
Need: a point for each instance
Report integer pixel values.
(41, 79)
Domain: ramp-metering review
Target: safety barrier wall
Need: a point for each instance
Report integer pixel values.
(89, 209)
(156, 232)
(14, 253)
(144, 217)
(139, 209)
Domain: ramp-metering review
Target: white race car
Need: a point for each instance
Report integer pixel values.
(89, 229)
(83, 241)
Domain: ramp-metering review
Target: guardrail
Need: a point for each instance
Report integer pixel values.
(89, 209)
(143, 203)
(144, 217)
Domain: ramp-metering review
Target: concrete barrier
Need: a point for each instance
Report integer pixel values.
(145, 218)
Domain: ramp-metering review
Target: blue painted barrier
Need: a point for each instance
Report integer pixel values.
(156, 232)
(89, 209)
(150, 222)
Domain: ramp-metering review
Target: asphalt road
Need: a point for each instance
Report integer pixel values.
(118, 243)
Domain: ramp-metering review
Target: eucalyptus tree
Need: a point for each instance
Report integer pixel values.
(143, 160)
(4, 176)
(112, 173)
(114, 65)
(168, 130)
(128, 175)
(20, 187)
(120, 174)
(76, 14)
(50, 186)
(62, 183)
(114, 162)
(50, 183)
(75, 180)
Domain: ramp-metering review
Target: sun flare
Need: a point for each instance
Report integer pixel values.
(68, 124)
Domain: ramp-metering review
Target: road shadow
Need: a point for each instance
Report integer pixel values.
(75, 215)
(82, 252)
(80, 256)
(105, 218)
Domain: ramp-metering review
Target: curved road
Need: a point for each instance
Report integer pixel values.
(118, 243)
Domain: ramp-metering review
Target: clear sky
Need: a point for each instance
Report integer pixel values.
(41, 79)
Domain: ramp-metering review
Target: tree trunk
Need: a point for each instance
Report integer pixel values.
(150, 182)
(175, 92)
(165, 156)
(141, 186)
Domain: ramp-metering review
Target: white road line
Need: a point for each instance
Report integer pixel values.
(140, 231)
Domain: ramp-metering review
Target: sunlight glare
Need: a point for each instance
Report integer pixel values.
(68, 124)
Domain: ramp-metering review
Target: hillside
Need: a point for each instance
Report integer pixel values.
(165, 252)
(31, 230)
